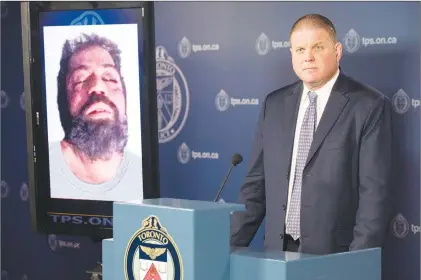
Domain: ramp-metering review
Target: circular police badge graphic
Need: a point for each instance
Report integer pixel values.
(352, 41)
(401, 102)
(262, 44)
(4, 190)
(4, 99)
(24, 193)
(22, 101)
(400, 226)
(222, 101)
(184, 48)
(151, 253)
(88, 18)
(184, 153)
(172, 96)
(52, 242)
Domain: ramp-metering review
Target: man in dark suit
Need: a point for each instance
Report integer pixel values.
(320, 167)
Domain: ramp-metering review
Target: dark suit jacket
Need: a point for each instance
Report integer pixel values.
(346, 182)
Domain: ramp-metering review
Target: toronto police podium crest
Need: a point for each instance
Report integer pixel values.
(152, 254)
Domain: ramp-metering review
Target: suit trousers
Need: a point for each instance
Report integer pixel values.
(291, 245)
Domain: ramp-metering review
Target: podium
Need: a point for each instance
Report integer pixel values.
(157, 239)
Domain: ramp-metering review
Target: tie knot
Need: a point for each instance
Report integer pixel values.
(312, 96)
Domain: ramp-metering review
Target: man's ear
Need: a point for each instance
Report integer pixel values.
(338, 51)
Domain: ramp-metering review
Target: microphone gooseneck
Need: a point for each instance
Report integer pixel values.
(236, 159)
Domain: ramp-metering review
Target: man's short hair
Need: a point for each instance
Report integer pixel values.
(317, 21)
(70, 48)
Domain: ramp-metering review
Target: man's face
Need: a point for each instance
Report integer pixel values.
(92, 72)
(315, 56)
(97, 104)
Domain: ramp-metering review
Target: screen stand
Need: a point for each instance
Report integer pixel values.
(96, 273)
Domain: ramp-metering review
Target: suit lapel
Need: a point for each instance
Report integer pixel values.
(335, 105)
(289, 120)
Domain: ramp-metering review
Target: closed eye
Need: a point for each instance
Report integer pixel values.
(110, 80)
(110, 76)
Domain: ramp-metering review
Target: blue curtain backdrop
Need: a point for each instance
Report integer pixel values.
(227, 56)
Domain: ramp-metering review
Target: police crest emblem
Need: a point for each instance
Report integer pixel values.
(152, 254)
(173, 98)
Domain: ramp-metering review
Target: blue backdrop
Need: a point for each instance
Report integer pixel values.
(226, 57)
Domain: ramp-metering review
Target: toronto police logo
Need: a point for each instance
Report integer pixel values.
(152, 254)
(222, 101)
(400, 226)
(262, 44)
(401, 102)
(184, 48)
(352, 41)
(52, 242)
(22, 101)
(88, 18)
(173, 96)
(4, 190)
(4, 101)
(24, 192)
(184, 153)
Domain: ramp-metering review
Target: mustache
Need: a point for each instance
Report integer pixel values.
(95, 98)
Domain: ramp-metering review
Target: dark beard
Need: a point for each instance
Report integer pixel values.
(98, 139)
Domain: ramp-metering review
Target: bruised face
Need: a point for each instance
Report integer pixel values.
(92, 72)
(97, 104)
(315, 55)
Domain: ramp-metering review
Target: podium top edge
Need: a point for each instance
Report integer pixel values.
(281, 256)
(285, 256)
(183, 204)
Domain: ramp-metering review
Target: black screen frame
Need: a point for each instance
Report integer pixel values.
(37, 145)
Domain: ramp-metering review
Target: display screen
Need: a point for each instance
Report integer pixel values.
(92, 80)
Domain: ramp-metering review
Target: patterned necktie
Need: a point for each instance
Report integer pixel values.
(306, 137)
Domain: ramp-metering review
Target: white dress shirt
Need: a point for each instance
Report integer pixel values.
(322, 98)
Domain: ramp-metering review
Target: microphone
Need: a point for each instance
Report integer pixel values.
(236, 159)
